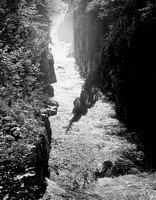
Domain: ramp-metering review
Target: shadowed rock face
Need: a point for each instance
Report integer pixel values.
(126, 69)
(42, 149)
(47, 67)
(105, 171)
(31, 168)
(79, 107)
(88, 32)
(135, 82)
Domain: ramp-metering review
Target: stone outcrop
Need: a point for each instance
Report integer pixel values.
(87, 38)
(105, 170)
(47, 68)
(31, 174)
(43, 145)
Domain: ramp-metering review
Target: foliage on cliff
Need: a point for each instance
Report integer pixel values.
(119, 23)
(24, 35)
(118, 59)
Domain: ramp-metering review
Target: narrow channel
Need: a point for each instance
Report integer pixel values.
(76, 155)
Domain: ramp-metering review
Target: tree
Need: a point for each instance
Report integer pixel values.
(24, 35)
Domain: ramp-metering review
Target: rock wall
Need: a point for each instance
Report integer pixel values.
(26, 68)
(87, 41)
(47, 67)
(123, 60)
(129, 72)
(24, 176)
(42, 150)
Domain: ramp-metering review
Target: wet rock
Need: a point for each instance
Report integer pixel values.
(122, 167)
(60, 67)
(79, 110)
(54, 103)
(105, 170)
(51, 103)
(51, 108)
(56, 169)
(79, 107)
(51, 111)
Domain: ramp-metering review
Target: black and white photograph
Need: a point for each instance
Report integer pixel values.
(77, 99)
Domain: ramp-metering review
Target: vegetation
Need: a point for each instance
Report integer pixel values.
(119, 23)
(24, 35)
(113, 48)
(114, 52)
(122, 69)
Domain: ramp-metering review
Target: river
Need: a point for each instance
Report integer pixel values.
(76, 155)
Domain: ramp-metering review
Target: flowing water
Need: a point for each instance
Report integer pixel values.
(90, 142)
(75, 155)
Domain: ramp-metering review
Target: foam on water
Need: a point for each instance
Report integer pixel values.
(69, 82)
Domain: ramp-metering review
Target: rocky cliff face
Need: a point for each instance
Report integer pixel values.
(24, 165)
(26, 67)
(47, 67)
(87, 41)
(123, 60)
(25, 138)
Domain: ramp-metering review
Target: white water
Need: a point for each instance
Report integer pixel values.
(89, 141)
(68, 84)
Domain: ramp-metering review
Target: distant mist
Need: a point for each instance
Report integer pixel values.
(58, 10)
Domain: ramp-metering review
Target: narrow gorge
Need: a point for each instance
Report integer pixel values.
(77, 99)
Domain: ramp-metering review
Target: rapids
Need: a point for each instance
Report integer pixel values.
(91, 141)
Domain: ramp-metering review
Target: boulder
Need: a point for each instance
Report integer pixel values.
(50, 111)
(47, 67)
(104, 170)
